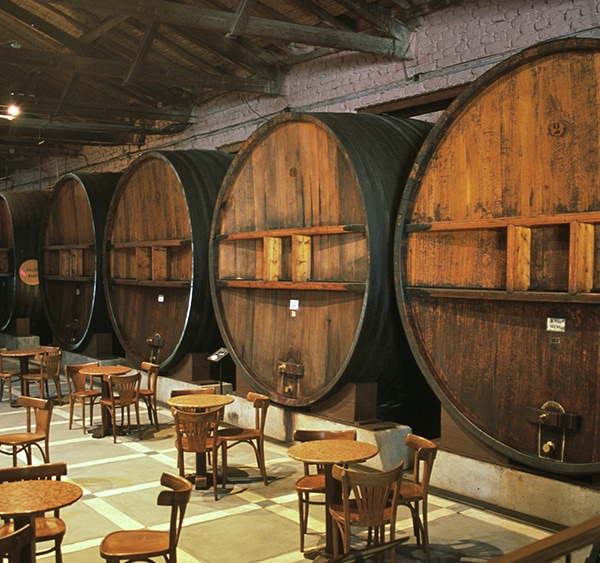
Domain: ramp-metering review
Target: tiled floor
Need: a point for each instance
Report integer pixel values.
(249, 522)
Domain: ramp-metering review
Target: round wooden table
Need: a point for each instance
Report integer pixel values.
(23, 356)
(103, 372)
(200, 401)
(330, 452)
(23, 500)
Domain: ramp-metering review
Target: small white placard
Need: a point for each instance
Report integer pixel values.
(294, 304)
(161, 298)
(556, 325)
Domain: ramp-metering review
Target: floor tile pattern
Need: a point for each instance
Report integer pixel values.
(250, 522)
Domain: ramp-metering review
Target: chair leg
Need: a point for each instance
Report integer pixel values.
(71, 409)
(336, 539)
(214, 474)
(57, 550)
(224, 463)
(137, 418)
(102, 428)
(83, 416)
(180, 462)
(260, 458)
(113, 414)
(58, 390)
(155, 412)
(302, 520)
(425, 530)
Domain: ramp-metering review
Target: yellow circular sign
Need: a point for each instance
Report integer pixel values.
(28, 272)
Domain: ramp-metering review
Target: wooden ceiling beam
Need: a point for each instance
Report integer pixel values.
(237, 51)
(309, 7)
(103, 111)
(183, 15)
(428, 7)
(159, 75)
(109, 23)
(378, 16)
(142, 51)
(241, 18)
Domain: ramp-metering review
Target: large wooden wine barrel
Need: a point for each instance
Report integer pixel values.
(156, 253)
(498, 275)
(301, 249)
(71, 269)
(20, 218)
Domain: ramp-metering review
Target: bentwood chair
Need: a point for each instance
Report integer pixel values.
(142, 545)
(414, 493)
(47, 528)
(313, 481)
(124, 394)
(254, 436)
(148, 395)
(81, 391)
(24, 441)
(370, 500)
(11, 545)
(50, 363)
(198, 432)
(8, 377)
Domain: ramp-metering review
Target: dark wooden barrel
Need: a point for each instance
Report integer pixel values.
(71, 258)
(498, 246)
(20, 218)
(301, 250)
(156, 253)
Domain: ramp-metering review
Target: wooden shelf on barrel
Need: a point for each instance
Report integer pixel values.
(158, 263)
(69, 262)
(544, 258)
(284, 259)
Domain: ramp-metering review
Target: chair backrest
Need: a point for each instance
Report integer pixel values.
(41, 350)
(194, 428)
(424, 456)
(152, 370)
(50, 363)
(2, 359)
(12, 544)
(42, 409)
(261, 405)
(125, 387)
(49, 348)
(33, 472)
(177, 498)
(198, 391)
(369, 493)
(78, 381)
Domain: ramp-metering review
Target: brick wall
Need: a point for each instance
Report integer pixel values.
(448, 48)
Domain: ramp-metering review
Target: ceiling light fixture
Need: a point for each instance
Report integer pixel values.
(13, 110)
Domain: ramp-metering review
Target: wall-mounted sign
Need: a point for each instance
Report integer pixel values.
(28, 272)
